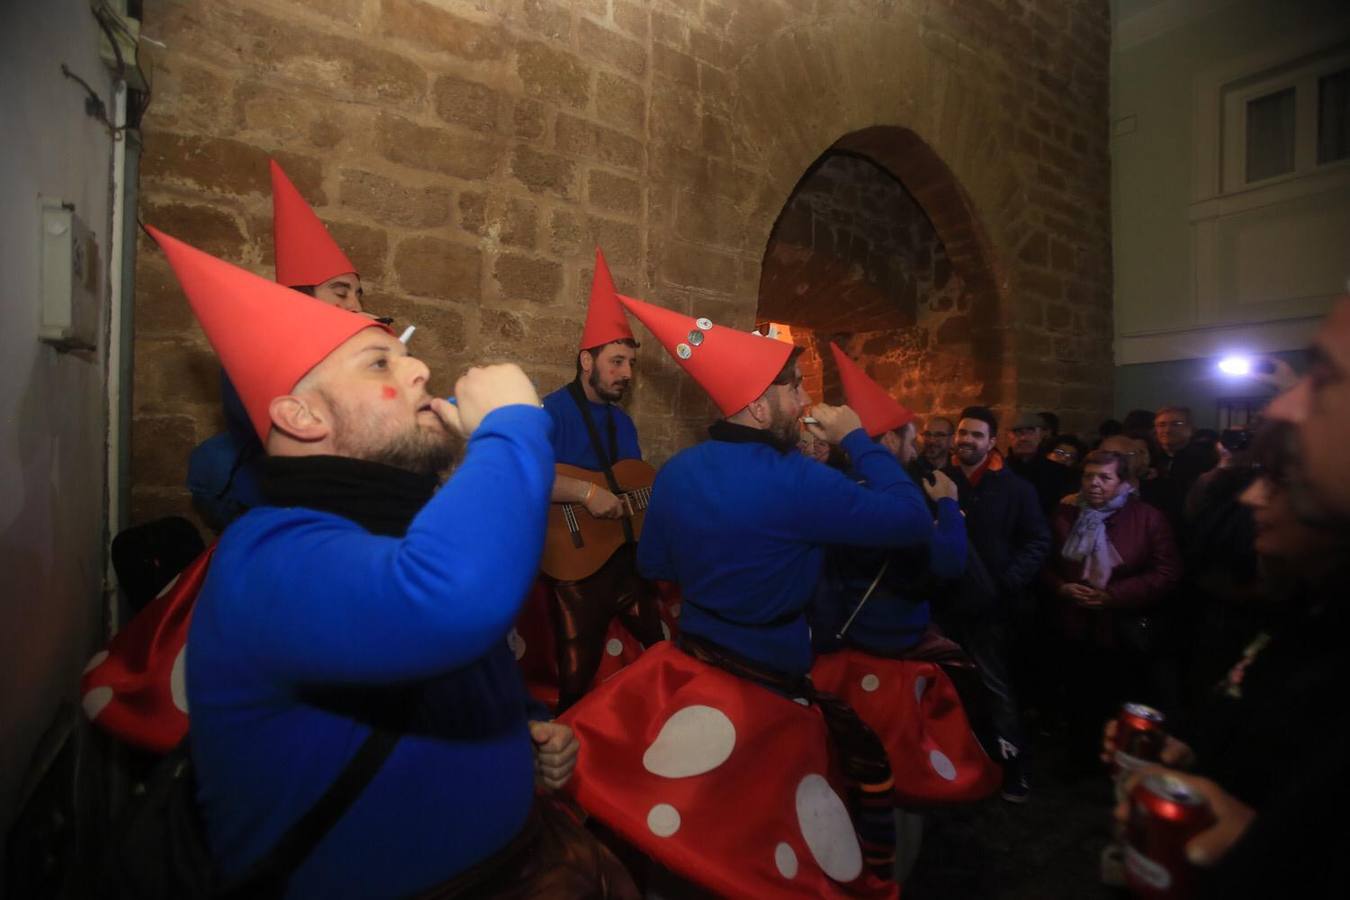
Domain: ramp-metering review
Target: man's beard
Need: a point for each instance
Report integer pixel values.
(784, 427)
(416, 449)
(607, 396)
(969, 456)
(936, 455)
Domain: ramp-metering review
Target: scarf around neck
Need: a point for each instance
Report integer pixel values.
(1087, 540)
(381, 499)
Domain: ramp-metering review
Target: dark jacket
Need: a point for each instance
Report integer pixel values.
(1005, 526)
(1051, 480)
(1149, 570)
(1173, 478)
(1274, 735)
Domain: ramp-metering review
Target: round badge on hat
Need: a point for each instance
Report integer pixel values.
(704, 323)
(683, 351)
(695, 338)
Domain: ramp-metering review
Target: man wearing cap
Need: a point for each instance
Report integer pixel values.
(741, 523)
(223, 470)
(1026, 459)
(871, 617)
(360, 598)
(591, 431)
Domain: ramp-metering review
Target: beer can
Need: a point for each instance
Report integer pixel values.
(1139, 737)
(1165, 813)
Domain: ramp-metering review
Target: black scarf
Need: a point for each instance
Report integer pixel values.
(732, 433)
(381, 499)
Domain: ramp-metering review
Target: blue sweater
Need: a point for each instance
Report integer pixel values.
(572, 444)
(742, 527)
(897, 614)
(298, 602)
(225, 470)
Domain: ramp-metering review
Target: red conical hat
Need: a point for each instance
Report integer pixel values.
(267, 336)
(879, 411)
(732, 366)
(605, 321)
(306, 253)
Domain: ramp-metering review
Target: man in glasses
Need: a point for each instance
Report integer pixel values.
(936, 443)
(1179, 462)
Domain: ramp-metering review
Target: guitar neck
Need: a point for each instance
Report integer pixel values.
(638, 498)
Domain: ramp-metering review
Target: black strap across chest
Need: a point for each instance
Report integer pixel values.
(607, 457)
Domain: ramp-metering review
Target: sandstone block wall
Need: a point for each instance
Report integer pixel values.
(469, 154)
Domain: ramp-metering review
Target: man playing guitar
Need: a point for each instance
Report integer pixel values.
(590, 431)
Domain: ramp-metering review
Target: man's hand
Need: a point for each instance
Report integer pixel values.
(555, 754)
(1232, 817)
(603, 504)
(942, 488)
(1275, 372)
(481, 390)
(1175, 754)
(834, 423)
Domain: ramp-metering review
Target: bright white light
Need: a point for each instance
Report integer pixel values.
(1236, 365)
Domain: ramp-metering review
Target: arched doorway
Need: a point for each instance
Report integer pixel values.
(877, 250)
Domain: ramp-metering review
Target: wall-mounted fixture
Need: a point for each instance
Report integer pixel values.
(70, 278)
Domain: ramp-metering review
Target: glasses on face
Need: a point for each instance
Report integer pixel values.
(1064, 454)
(934, 435)
(1172, 423)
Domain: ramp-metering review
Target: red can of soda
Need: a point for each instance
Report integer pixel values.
(1165, 813)
(1139, 737)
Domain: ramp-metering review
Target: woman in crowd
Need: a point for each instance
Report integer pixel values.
(1113, 567)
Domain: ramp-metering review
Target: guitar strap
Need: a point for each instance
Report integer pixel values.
(607, 459)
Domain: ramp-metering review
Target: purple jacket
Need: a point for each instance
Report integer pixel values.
(1149, 570)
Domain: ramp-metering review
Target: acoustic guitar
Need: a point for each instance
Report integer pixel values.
(578, 544)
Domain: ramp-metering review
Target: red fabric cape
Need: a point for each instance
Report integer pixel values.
(532, 640)
(136, 688)
(915, 710)
(723, 782)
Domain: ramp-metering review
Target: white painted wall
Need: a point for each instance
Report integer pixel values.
(52, 406)
(1196, 272)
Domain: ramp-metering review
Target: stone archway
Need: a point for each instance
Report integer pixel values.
(1009, 162)
(856, 257)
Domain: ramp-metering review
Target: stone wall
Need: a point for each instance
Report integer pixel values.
(469, 154)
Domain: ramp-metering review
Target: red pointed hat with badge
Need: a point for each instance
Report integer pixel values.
(306, 253)
(267, 336)
(879, 411)
(605, 321)
(732, 366)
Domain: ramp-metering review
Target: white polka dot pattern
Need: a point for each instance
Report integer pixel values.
(828, 830)
(696, 739)
(663, 820)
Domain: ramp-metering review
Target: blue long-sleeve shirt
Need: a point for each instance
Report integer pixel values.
(742, 527)
(299, 601)
(897, 613)
(572, 442)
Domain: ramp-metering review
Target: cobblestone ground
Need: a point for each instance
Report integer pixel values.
(1048, 848)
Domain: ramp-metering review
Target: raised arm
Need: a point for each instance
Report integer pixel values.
(334, 603)
(888, 511)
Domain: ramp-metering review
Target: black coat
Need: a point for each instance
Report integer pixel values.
(1006, 528)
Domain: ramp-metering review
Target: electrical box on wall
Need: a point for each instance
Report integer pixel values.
(70, 278)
